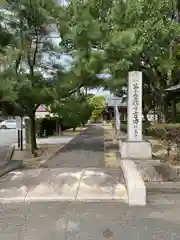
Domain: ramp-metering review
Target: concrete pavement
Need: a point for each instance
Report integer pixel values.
(91, 221)
(8, 136)
(50, 141)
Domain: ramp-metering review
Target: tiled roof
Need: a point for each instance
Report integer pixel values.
(41, 108)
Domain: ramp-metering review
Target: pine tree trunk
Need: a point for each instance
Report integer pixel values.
(33, 133)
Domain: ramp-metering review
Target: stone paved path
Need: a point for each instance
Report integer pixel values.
(89, 221)
(85, 150)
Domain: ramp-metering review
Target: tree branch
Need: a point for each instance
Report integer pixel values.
(36, 47)
(76, 89)
(18, 61)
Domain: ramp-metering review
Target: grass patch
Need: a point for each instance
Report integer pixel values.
(110, 148)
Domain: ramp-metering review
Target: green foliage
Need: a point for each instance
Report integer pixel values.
(73, 111)
(164, 130)
(98, 104)
(48, 126)
(161, 131)
(80, 36)
(100, 36)
(146, 126)
(23, 80)
(143, 38)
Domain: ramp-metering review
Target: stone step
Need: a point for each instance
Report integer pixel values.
(63, 184)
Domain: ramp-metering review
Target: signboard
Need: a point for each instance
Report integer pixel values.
(114, 101)
(117, 122)
(18, 123)
(41, 108)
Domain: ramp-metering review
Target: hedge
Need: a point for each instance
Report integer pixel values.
(169, 131)
(124, 126)
(47, 126)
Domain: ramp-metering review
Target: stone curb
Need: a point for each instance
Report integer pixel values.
(59, 149)
(10, 165)
(10, 153)
(163, 187)
(54, 154)
(134, 183)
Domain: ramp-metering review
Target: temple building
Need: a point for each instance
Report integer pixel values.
(108, 113)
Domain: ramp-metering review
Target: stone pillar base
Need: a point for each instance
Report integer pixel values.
(135, 149)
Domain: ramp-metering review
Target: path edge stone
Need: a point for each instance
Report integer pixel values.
(163, 187)
(10, 153)
(9, 164)
(136, 188)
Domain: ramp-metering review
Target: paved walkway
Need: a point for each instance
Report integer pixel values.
(85, 150)
(53, 203)
(90, 221)
(77, 173)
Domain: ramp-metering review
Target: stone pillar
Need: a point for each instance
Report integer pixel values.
(135, 147)
(135, 106)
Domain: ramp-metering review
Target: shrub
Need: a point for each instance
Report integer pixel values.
(158, 130)
(38, 126)
(164, 131)
(170, 133)
(123, 126)
(47, 126)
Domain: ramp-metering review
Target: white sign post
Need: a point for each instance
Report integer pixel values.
(20, 132)
(117, 122)
(18, 123)
(115, 102)
(135, 106)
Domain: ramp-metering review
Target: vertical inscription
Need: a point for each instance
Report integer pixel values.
(135, 107)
